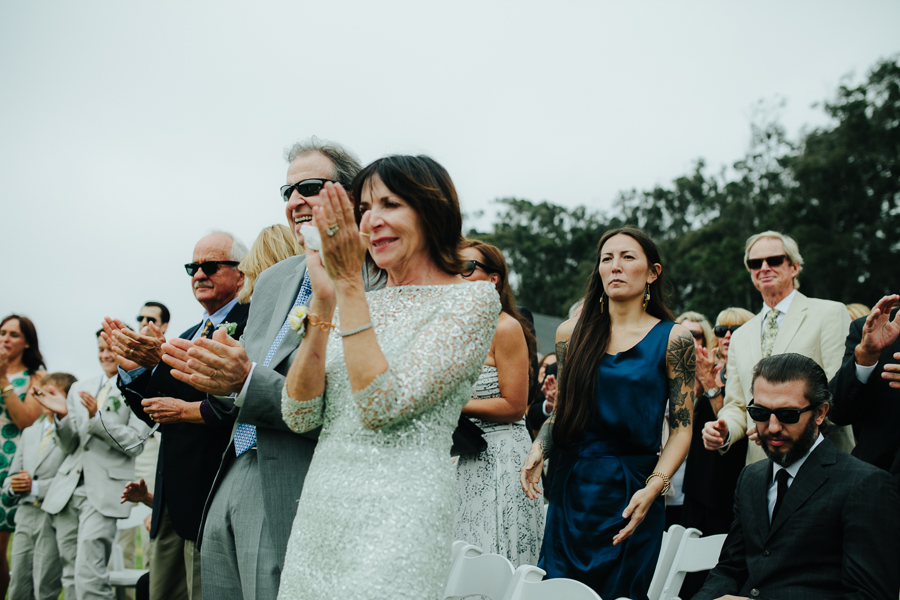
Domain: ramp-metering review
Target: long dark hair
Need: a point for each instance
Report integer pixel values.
(576, 399)
(426, 186)
(496, 263)
(31, 356)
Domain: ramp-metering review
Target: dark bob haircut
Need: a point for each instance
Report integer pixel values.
(426, 186)
(31, 356)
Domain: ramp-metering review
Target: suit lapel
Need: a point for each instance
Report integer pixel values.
(760, 501)
(289, 290)
(189, 334)
(809, 479)
(755, 325)
(791, 324)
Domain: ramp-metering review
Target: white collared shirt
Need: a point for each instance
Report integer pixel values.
(792, 471)
(782, 307)
(217, 317)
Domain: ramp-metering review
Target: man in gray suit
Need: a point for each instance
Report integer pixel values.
(253, 502)
(35, 566)
(97, 431)
(810, 522)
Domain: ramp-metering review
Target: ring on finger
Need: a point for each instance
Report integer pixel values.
(130, 351)
(332, 229)
(215, 371)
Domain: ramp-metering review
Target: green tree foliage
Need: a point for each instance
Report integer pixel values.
(836, 191)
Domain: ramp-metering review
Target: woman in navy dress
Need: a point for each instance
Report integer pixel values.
(619, 364)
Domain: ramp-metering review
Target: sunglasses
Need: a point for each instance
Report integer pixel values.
(470, 265)
(142, 318)
(787, 416)
(772, 261)
(306, 188)
(722, 330)
(209, 267)
(698, 335)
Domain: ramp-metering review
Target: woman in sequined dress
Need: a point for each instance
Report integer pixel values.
(491, 512)
(619, 365)
(387, 385)
(20, 362)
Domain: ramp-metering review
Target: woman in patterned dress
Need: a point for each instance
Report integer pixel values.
(491, 512)
(20, 361)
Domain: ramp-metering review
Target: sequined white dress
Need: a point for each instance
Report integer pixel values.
(491, 510)
(375, 519)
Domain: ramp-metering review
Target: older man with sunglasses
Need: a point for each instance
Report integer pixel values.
(788, 322)
(193, 436)
(811, 522)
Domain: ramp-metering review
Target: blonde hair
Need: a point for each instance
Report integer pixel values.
(858, 310)
(273, 244)
(791, 250)
(733, 316)
(710, 340)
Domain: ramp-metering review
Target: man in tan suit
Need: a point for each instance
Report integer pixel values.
(788, 322)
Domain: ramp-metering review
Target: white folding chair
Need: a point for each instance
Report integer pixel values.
(475, 573)
(527, 585)
(670, 543)
(120, 577)
(695, 553)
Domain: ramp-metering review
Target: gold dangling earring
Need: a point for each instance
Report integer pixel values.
(647, 297)
(601, 304)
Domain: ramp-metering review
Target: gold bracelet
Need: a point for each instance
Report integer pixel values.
(325, 325)
(7, 390)
(662, 476)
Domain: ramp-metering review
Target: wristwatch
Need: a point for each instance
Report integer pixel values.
(712, 392)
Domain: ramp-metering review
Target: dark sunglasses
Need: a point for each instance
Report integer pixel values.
(772, 261)
(788, 416)
(142, 318)
(306, 188)
(209, 267)
(722, 330)
(698, 335)
(470, 265)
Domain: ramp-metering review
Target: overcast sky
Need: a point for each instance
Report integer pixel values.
(128, 130)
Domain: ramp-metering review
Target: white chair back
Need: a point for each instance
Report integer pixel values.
(670, 542)
(695, 553)
(138, 513)
(527, 585)
(475, 573)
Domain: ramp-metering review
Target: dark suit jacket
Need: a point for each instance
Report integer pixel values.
(873, 409)
(837, 534)
(188, 452)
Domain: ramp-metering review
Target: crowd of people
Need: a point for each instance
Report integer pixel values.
(361, 390)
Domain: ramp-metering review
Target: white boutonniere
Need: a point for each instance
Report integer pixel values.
(297, 320)
(229, 328)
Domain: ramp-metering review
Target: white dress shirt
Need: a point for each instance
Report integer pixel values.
(792, 471)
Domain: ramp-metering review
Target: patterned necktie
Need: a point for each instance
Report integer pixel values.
(781, 478)
(206, 329)
(245, 434)
(45, 442)
(770, 332)
(104, 394)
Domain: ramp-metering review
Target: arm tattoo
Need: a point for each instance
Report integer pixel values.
(683, 362)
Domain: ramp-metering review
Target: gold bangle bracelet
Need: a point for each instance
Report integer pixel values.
(662, 476)
(7, 389)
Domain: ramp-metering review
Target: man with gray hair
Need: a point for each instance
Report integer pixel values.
(788, 322)
(254, 501)
(193, 435)
(811, 522)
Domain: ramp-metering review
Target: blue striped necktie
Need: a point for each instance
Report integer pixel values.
(245, 434)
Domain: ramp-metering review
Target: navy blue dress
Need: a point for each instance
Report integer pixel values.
(596, 479)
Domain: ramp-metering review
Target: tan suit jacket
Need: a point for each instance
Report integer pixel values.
(811, 327)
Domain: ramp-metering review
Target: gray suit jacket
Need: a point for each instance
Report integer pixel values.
(835, 536)
(41, 471)
(94, 454)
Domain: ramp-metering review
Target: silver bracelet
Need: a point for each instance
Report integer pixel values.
(357, 330)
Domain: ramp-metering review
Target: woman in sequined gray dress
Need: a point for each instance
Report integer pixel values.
(491, 511)
(387, 386)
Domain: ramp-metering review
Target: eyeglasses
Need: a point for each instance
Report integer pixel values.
(142, 318)
(209, 267)
(306, 188)
(137, 443)
(698, 335)
(722, 330)
(788, 416)
(470, 265)
(772, 261)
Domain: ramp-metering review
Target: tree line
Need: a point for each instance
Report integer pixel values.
(836, 190)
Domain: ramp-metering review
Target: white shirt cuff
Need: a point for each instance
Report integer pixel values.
(34, 488)
(863, 373)
(242, 395)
